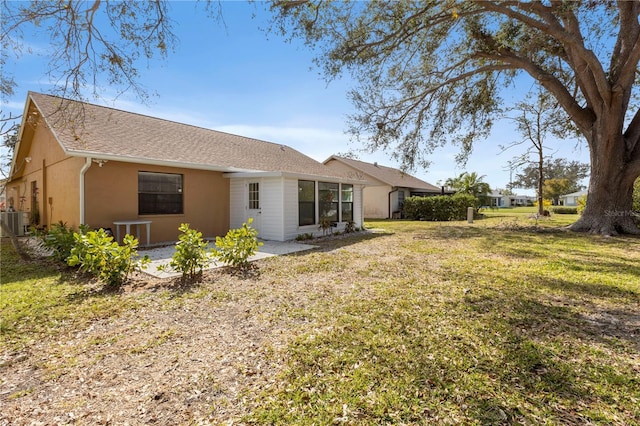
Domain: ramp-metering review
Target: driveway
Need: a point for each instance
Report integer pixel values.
(162, 255)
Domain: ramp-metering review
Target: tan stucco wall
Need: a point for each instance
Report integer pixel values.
(56, 176)
(376, 202)
(112, 195)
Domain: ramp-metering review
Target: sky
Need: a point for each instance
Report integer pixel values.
(238, 78)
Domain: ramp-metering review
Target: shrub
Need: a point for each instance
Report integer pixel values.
(582, 204)
(350, 227)
(191, 255)
(565, 210)
(326, 225)
(238, 245)
(96, 252)
(440, 207)
(60, 240)
(304, 237)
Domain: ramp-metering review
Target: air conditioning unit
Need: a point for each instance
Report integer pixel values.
(16, 222)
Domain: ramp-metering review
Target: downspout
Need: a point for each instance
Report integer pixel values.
(83, 170)
(389, 203)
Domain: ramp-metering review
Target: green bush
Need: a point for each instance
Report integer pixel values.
(440, 207)
(96, 252)
(191, 255)
(565, 210)
(60, 240)
(304, 237)
(238, 245)
(326, 225)
(582, 204)
(350, 227)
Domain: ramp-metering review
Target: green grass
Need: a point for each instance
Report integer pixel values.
(474, 324)
(39, 299)
(507, 320)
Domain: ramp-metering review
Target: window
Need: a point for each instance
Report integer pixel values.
(328, 195)
(347, 203)
(306, 202)
(254, 196)
(400, 199)
(159, 193)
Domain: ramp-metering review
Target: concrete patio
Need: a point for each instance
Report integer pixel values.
(162, 255)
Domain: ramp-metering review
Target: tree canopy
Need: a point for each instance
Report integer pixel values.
(433, 72)
(558, 168)
(469, 183)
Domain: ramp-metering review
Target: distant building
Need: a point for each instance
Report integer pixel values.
(385, 189)
(572, 199)
(500, 200)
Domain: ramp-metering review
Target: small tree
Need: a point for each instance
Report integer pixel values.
(191, 255)
(238, 245)
(472, 184)
(535, 120)
(554, 188)
(96, 252)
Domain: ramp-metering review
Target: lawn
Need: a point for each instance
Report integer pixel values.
(509, 320)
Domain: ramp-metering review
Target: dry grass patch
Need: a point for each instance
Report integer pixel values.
(424, 323)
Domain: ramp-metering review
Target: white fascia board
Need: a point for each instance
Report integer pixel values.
(152, 162)
(303, 176)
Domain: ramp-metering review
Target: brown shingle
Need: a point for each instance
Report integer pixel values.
(90, 130)
(388, 175)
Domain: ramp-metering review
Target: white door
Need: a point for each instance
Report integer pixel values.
(254, 207)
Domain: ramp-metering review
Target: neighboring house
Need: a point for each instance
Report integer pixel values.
(86, 164)
(386, 188)
(572, 199)
(498, 199)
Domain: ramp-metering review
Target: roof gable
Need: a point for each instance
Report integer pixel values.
(89, 130)
(387, 175)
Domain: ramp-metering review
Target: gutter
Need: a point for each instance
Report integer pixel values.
(83, 170)
(389, 202)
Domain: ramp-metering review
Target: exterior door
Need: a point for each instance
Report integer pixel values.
(254, 207)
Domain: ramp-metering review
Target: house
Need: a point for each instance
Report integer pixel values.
(498, 199)
(572, 199)
(87, 164)
(386, 188)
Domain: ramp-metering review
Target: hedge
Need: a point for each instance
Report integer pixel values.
(565, 210)
(439, 208)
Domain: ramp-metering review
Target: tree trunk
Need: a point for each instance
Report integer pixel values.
(540, 182)
(609, 200)
(14, 241)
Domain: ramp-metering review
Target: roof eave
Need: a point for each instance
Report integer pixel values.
(259, 174)
(154, 162)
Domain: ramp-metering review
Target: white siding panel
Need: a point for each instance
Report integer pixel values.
(290, 209)
(357, 205)
(271, 204)
(237, 203)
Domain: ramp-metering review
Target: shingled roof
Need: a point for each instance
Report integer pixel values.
(390, 176)
(89, 130)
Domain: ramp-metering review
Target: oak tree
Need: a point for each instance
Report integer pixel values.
(433, 72)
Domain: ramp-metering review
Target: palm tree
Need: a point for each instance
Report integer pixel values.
(469, 183)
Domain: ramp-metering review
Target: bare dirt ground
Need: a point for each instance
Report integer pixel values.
(184, 355)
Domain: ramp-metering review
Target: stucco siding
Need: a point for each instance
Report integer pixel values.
(112, 195)
(376, 202)
(56, 176)
(352, 173)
